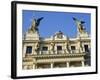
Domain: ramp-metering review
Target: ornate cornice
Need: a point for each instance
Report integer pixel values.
(56, 55)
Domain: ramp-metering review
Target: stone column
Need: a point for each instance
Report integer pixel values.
(34, 66)
(51, 65)
(67, 64)
(82, 63)
(40, 52)
(52, 47)
(24, 50)
(51, 52)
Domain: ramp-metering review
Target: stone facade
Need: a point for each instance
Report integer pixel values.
(57, 51)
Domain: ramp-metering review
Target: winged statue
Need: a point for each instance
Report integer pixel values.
(35, 24)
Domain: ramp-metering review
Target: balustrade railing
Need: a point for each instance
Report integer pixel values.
(59, 52)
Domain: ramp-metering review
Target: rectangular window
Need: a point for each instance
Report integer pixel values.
(72, 47)
(45, 48)
(29, 49)
(59, 47)
(86, 48)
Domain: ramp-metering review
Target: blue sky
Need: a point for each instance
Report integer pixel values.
(56, 21)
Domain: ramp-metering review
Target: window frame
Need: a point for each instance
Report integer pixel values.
(28, 48)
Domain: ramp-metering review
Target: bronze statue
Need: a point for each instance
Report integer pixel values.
(80, 26)
(35, 24)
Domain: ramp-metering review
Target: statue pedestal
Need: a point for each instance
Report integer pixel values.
(83, 35)
(31, 36)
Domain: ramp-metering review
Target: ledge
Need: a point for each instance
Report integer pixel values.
(56, 55)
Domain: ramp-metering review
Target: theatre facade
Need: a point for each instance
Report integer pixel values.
(56, 51)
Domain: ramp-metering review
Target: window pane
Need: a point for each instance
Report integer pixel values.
(72, 47)
(86, 48)
(44, 48)
(29, 49)
(59, 47)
